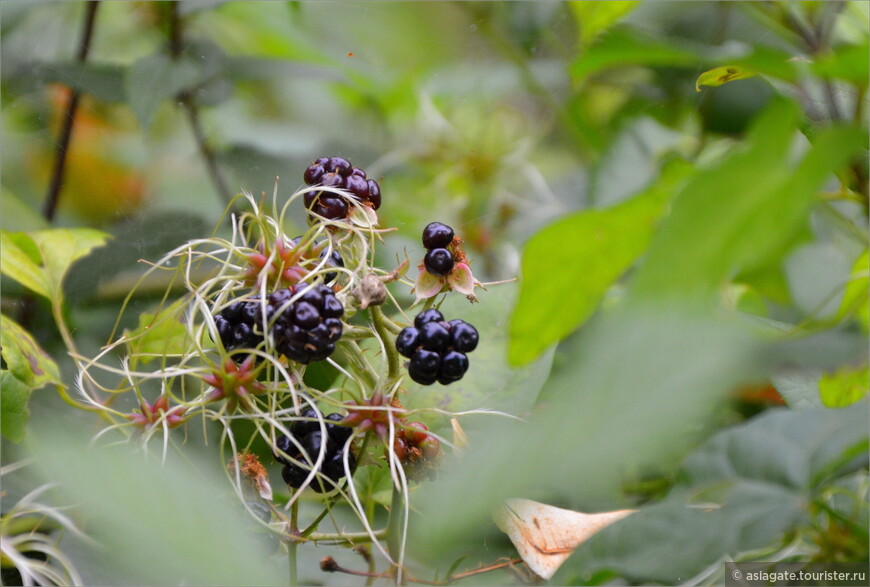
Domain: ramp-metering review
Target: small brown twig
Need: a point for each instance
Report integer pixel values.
(65, 137)
(329, 565)
(188, 102)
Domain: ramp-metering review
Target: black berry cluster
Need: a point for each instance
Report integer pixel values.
(334, 260)
(337, 172)
(437, 348)
(436, 238)
(303, 331)
(309, 436)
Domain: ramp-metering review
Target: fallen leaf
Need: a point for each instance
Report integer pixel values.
(545, 536)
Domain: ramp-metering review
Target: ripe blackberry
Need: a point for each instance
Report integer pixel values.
(334, 260)
(438, 261)
(437, 235)
(303, 331)
(308, 328)
(309, 435)
(436, 348)
(339, 173)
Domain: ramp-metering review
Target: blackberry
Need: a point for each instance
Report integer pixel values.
(334, 259)
(437, 236)
(308, 328)
(438, 261)
(436, 348)
(303, 331)
(310, 437)
(339, 173)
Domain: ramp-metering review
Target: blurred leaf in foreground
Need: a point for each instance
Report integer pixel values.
(745, 489)
(638, 392)
(744, 212)
(588, 251)
(164, 524)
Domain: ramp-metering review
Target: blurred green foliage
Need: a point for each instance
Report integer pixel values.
(681, 189)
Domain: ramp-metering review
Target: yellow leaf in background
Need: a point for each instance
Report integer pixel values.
(545, 536)
(723, 75)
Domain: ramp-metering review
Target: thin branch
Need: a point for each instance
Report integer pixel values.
(63, 141)
(329, 565)
(188, 102)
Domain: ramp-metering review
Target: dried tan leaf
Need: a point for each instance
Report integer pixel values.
(545, 536)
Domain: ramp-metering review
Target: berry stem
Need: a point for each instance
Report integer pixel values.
(382, 329)
(394, 532)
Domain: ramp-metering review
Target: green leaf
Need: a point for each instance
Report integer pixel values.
(621, 47)
(104, 82)
(742, 213)
(588, 251)
(14, 395)
(744, 489)
(723, 75)
(856, 293)
(160, 333)
(176, 522)
(39, 260)
(595, 17)
(158, 77)
(845, 386)
(633, 394)
(24, 358)
(847, 63)
(490, 382)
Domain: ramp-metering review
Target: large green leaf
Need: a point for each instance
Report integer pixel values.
(622, 46)
(635, 393)
(568, 266)
(158, 77)
(490, 382)
(742, 490)
(104, 82)
(743, 212)
(39, 260)
(24, 358)
(14, 395)
(155, 524)
(595, 17)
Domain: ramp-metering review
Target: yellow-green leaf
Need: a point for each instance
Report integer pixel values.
(845, 386)
(24, 358)
(14, 394)
(595, 17)
(39, 260)
(723, 75)
(159, 333)
(855, 297)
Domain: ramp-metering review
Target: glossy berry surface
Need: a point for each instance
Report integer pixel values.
(339, 173)
(436, 348)
(437, 235)
(303, 331)
(310, 436)
(438, 261)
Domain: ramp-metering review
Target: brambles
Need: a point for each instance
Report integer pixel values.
(305, 330)
(337, 172)
(310, 439)
(437, 348)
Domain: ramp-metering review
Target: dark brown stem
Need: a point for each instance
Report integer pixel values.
(329, 565)
(188, 102)
(65, 137)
